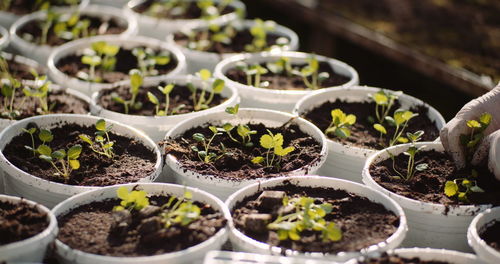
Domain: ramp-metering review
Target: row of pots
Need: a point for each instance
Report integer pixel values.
(33, 249)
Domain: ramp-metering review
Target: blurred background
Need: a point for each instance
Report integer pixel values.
(445, 52)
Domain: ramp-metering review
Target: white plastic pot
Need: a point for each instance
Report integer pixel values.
(482, 249)
(347, 161)
(190, 255)
(41, 53)
(198, 60)
(77, 47)
(156, 127)
(4, 39)
(31, 249)
(159, 28)
(114, 3)
(48, 193)
(430, 225)
(281, 100)
(431, 254)
(221, 187)
(244, 243)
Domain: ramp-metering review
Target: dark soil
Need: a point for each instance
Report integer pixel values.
(180, 95)
(491, 234)
(192, 12)
(395, 259)
(21, 71)
(22, 7)
(20, 221)
(284, 82)
(132, 160)
(98, 26)
(428, 185)
(237, 164)
(362, 132)
(237, 44)
(63, 104)
(363, 223)
(89, 228)
(125, 61)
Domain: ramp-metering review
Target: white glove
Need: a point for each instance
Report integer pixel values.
(450, 134)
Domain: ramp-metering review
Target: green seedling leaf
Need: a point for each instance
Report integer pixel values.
(233, 110)
(74, 152)
(218, 86)
(258, 160)
(205, 74)
(380, 128)
(198, 137)
(45, 135)
(450, 188)
(44, 150)
(100, 125)
(152, 98)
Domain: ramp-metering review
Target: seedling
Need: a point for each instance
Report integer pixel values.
(206, 155)
(400, 121)
(340, 124)
(8, 89)
(243, 131)
(136, 81)
(166, 90)
(384, 100)
(147, 59)
(476, 134)
(259, 33)
(311, 70)
(102, 145)
(462, 187)
(307, 216)
(40, 90)
(272, 143)
(101, 54)
(133, 200)
(253, 73)
(180, 211)
(31, 132)
(67, 160)
(283, 65)
(200, 101)
(410, 152)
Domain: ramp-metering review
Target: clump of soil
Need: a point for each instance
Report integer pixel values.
(237, 44)
(125, 61)
(32, 31)
(395, 259)
(362, 132)
(92, 228)
(363, 223)
(19, 221)
(63, 104)
(283, 81)
(237, 165)
(491, 234)
(428, 185)
(180, 95)
(192, 11)
(22, 7)
(132, 161)
(20, 71)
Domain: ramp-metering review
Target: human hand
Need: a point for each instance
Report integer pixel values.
(450, 134)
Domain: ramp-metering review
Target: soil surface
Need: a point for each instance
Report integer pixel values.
(125, 61)
(89, 228)
(63, 104)
(293, 82)
(98, 26)
(20, 221)
(236, 164)
(180, 95)
(21, 71)
(491, 234)
(363, 223)
(362, 132)
(132, 160)
(236, 45)
(192, 11)
(395, 259)
(428, 185)
(22, 7)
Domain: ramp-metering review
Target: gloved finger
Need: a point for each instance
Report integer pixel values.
(481, 154)
(494, 156)
(455, 127)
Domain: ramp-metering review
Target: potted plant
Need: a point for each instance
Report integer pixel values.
(278, 80)
(440, 201)
(140, 223)
(92, 64)
(37, 35)
(483, 237)
(349, 117)
(418, 255)
(10, 11)
(221, 152)
(156, 105)
(27, 230)
(4, 37)
(50, 158)
(158, 18)
(314, 217)
(207, 44)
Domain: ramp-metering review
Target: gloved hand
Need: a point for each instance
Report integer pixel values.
(490, 145)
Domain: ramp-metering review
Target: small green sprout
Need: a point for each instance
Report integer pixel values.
(253, 73)
(136, 81)
(462, 187)
(476, 134)
(400, 120)
(244, 131)
(340, 124)
(100, 54)
(67, 160)
(147, 59)
(307, 216)
(40, 90)
(410, 152)
(283, 65)
(102, 145)
(384, 100)
(200, 101)
(133, 200)
(182, 212)
(206, 155)
(311, 70)
(275, 143)
(8, 90)
(166, 90)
